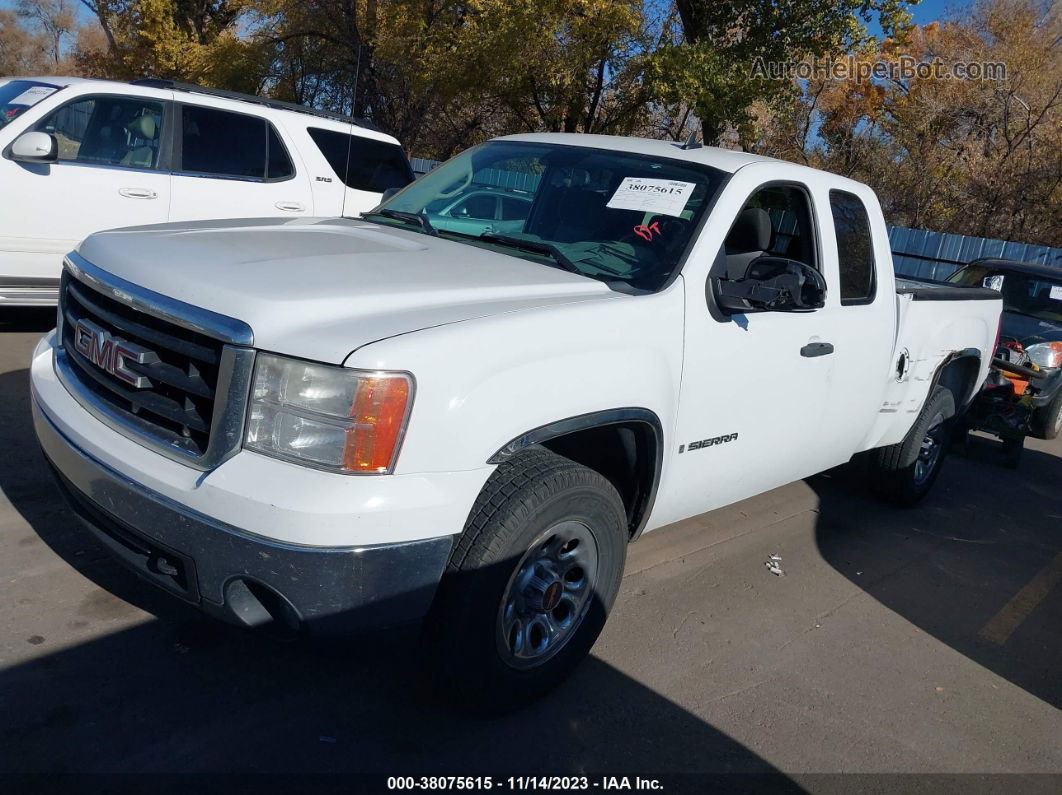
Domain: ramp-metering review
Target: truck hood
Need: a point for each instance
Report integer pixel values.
(321, 288)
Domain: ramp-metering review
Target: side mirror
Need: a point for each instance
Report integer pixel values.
(774, 284)
(35, 147)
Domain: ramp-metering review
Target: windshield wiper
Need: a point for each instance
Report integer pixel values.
(537, 247)
(420, 219)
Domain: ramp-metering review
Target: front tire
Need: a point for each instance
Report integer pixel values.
(903, 473)
(530, 582)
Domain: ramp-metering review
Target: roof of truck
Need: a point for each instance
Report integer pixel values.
(724, 159)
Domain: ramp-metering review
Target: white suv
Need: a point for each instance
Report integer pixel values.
(78, 156)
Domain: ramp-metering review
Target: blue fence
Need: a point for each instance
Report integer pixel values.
(922, 254)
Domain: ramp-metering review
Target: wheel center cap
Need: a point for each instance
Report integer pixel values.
(551, 596)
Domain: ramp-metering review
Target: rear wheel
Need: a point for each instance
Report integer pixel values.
(1047, 421)
(904, 473)
(530, 583)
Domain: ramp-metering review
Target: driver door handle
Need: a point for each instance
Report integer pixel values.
(138, 193)
(290, 207)
(813, 349)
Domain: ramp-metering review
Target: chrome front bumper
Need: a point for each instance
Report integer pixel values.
(234, 575)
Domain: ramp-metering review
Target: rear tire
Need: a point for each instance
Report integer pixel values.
(529, 584)
(903, 473)
(1047, 421)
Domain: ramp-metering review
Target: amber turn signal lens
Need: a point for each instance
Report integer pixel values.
(378, 417)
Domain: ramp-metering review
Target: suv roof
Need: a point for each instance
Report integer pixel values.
(276, 104)
(191, 88)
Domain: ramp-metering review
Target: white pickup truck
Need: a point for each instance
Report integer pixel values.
(466, 404)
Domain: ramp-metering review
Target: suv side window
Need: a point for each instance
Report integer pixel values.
(479, 205)
(855, 247)
(108, 130)
(775, 221)
(363, 163)
(218, 143)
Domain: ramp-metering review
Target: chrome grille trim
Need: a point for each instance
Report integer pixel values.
(234, 369)
(220, 327)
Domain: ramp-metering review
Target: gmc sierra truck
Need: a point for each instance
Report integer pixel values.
(464, 412)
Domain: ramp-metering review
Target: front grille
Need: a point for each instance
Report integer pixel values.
(190, 399)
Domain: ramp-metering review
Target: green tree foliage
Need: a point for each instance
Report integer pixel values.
(711, 66)
(975, 156)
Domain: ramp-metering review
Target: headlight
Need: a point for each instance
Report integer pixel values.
(1046, 354)
(333, 418)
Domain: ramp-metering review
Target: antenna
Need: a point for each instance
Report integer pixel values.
(692, 142)
(350, 135)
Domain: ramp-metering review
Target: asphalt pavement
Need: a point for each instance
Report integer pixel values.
(923, 641)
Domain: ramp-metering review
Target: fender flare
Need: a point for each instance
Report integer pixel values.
(961, 402)
(599, 419)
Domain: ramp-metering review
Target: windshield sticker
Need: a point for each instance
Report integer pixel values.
(31, 96)
(1056, 292)
(662, 196)
(994, 282)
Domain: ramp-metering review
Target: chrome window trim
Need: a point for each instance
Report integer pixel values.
(234, 371)
(221, 327)
(229, 178)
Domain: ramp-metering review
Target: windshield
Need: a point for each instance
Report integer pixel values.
(1025, 293)
(613, 216)
(19, 96)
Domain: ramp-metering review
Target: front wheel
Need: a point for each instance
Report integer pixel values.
(530, 582)
(903, 473)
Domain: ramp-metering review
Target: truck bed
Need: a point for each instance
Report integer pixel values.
(937, 291)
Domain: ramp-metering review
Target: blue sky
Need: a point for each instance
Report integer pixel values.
(932, 10)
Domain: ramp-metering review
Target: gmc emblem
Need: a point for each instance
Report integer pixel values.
(112, 354)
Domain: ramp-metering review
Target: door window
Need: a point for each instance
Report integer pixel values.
(218, 143)
(113, 131)
(855, 247)
(776, 222)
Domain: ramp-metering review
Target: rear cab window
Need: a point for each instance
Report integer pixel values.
(363, 163)
(220, 143)
(855, 248)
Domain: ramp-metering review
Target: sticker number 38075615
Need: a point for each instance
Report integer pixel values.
(662, 196)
